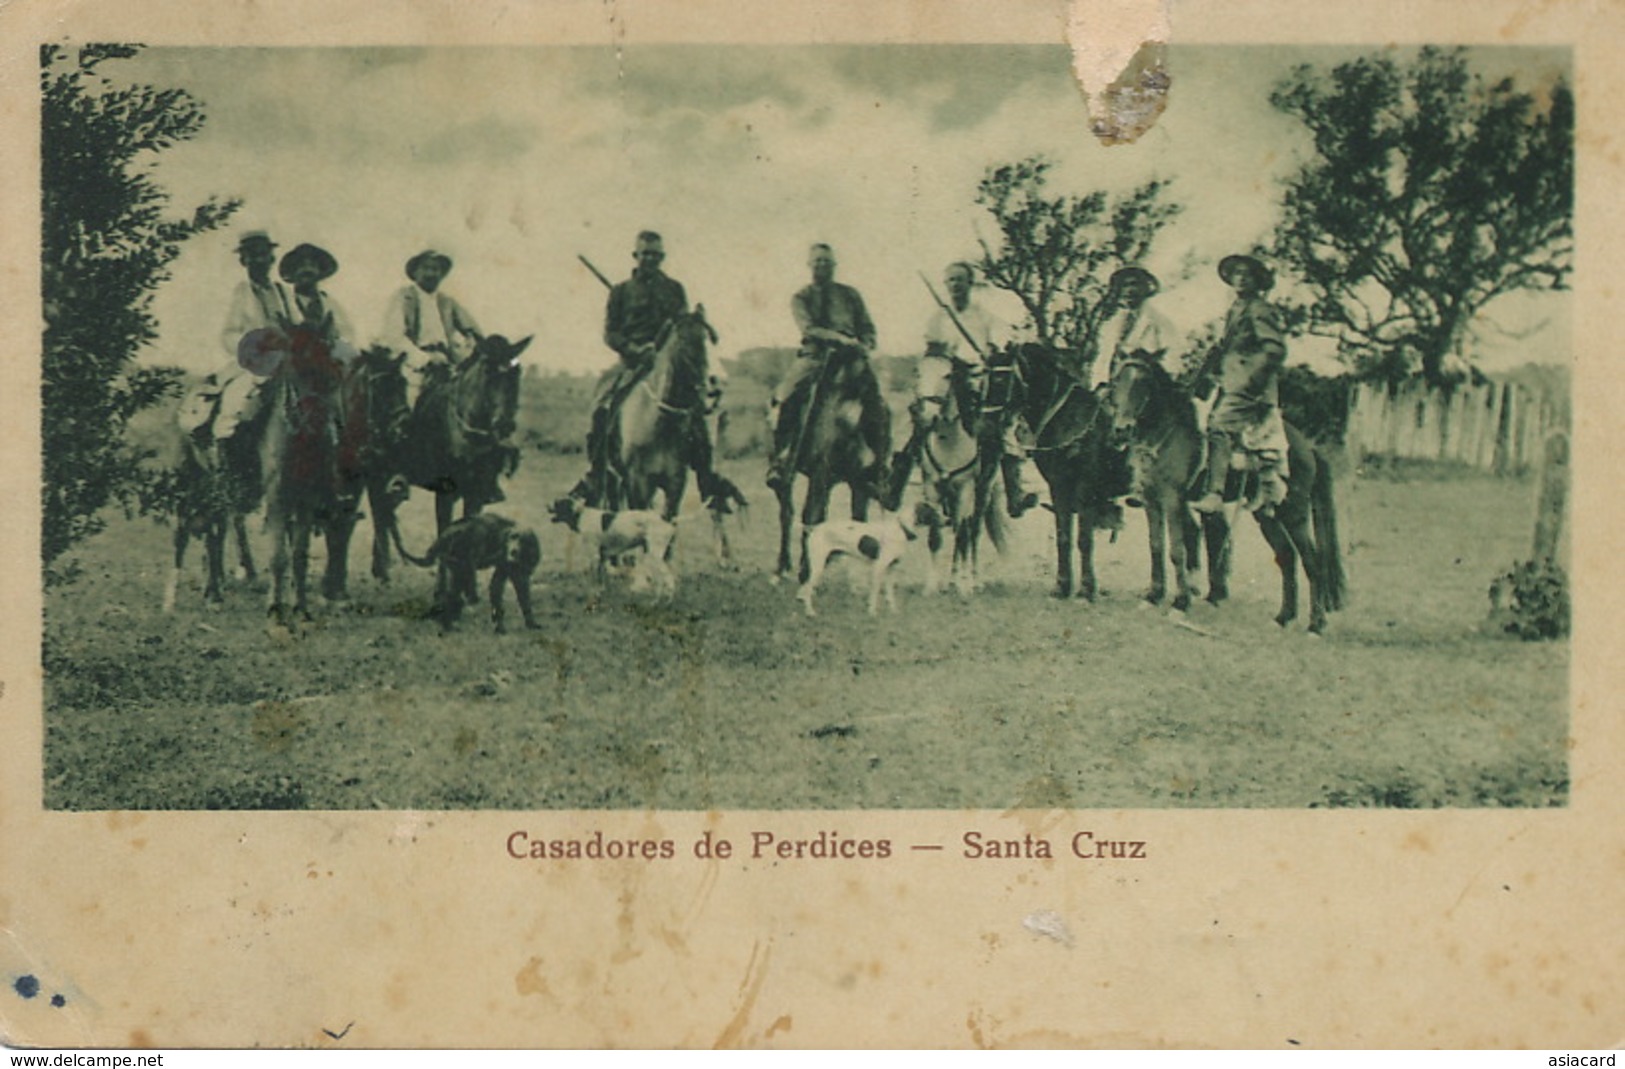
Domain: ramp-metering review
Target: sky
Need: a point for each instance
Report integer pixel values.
(515, 160)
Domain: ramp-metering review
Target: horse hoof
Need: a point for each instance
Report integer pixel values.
(1155, 596)
(1061, 593)
(1182, 604)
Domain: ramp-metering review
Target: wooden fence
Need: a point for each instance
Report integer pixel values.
(1499, 427)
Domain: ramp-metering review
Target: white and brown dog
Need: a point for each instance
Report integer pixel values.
(635, 541)
(880, 542)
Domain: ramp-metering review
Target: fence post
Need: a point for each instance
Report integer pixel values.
(1552, 502)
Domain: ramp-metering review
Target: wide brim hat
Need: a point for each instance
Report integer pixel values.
(423, 257)
(1228, 265)
(255, 237)
(326, 265)
(1124, 275)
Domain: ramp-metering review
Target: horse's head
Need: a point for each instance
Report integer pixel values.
(496, 353)
(487, 393)
(680, 349)
(375, 394)
(1133, 388)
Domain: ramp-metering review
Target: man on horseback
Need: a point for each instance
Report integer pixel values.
(834, 324)
(637, 310)
(429, 325)
(229, 397)
(963, 336)
(1132, 330)
(1246, 366)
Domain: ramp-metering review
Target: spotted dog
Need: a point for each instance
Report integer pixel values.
(881, 542)
(635, 540)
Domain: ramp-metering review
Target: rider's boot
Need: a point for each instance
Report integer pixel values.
(1016, 500)
(1218, 470)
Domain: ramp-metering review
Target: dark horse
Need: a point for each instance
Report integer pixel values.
(460, 435)
(1167, 457)
(374, 422)
(959, 461)
(830, 450)
(218, 482)
(304, 488)
(1072, 432)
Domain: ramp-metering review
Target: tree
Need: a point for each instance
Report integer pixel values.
(1056, 253)
(105, 248)
(1431, 194)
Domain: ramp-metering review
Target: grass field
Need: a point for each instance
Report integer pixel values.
(728, 698)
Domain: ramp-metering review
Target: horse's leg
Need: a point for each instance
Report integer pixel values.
(860, 504)
(814, 511)
(301, 566)
(338, 529)
(382, 505)
(1086, 554)
(1286, 559)
(1216, 536)
(1296, 526)
(1181, 543)
(787, 513)
(245, 555)
(1157, 519)
(445, 502)
(1063, 546)
(277, 524)
(182, 537)
(933, 543)
(214, 552)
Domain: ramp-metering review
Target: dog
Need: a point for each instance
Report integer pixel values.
(881, 542)
(635, 540)
(468, 547)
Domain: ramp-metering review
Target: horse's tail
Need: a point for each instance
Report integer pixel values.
(427, 561)
(1323, 507)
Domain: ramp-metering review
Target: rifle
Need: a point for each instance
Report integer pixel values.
(599, 275)
(946, 307)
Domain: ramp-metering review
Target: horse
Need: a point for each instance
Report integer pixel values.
(304, 487)
(661, 429)
(959, 458)
(459, 438)
(374, 425)
(831, 450)
(1167, 457)
(1071, 448)
(217, 483)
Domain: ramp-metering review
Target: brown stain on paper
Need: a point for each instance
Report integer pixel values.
(750, 988)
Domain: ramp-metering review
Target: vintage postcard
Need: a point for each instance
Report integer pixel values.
(895, 524)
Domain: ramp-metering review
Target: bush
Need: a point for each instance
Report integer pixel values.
(1531, 601)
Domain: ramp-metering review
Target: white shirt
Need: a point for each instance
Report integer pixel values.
(1130, 330)
(986, 329)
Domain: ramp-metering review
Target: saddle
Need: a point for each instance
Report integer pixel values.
(1261, 473)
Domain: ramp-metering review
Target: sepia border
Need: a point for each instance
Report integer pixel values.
(1239, 929)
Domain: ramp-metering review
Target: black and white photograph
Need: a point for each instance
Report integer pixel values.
(484, 421)
(634, 467)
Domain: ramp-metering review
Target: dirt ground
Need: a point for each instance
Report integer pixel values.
(727, 697)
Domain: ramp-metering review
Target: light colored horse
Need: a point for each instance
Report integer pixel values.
(958, 461)
(660, 430)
